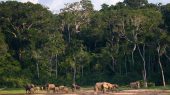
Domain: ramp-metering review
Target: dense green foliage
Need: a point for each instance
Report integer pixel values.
(122, 43)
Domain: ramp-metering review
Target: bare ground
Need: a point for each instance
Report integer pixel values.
(91, 92)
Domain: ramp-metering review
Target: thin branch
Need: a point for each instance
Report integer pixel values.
(29, 26)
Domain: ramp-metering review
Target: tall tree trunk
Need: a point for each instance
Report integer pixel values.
(113, 64)
(133, 61)
(160, 64)
(162, 72)
(38, 72)
(144, 65)
(74, 75)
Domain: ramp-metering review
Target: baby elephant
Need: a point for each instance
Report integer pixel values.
(63, 89)
(75, 87)
(29, 88)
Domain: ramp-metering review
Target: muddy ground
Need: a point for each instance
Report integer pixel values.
(91, 92)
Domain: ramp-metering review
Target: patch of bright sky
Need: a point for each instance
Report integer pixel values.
(56, 5)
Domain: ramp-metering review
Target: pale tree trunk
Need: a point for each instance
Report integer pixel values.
(134, 48)
(56, 71)
(135, 45)
(160, 64)
(77, 25)
(38, 72)
(144, 65)
(37, 65)
(74, 75)
(112, 66)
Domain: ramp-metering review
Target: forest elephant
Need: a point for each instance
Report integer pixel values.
(75, 87)
(104, 86)
(135, 85)
(63, 89)
(98, 87)
(50, 87)
(29, 88)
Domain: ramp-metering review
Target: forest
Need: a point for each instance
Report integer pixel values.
(120, 43)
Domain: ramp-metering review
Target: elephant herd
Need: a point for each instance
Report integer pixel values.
(99, 86)
(106, 86)
(31, 88)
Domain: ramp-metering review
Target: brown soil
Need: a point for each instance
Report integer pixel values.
(91, 92)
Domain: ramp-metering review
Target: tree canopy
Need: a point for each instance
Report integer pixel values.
(120, 43)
